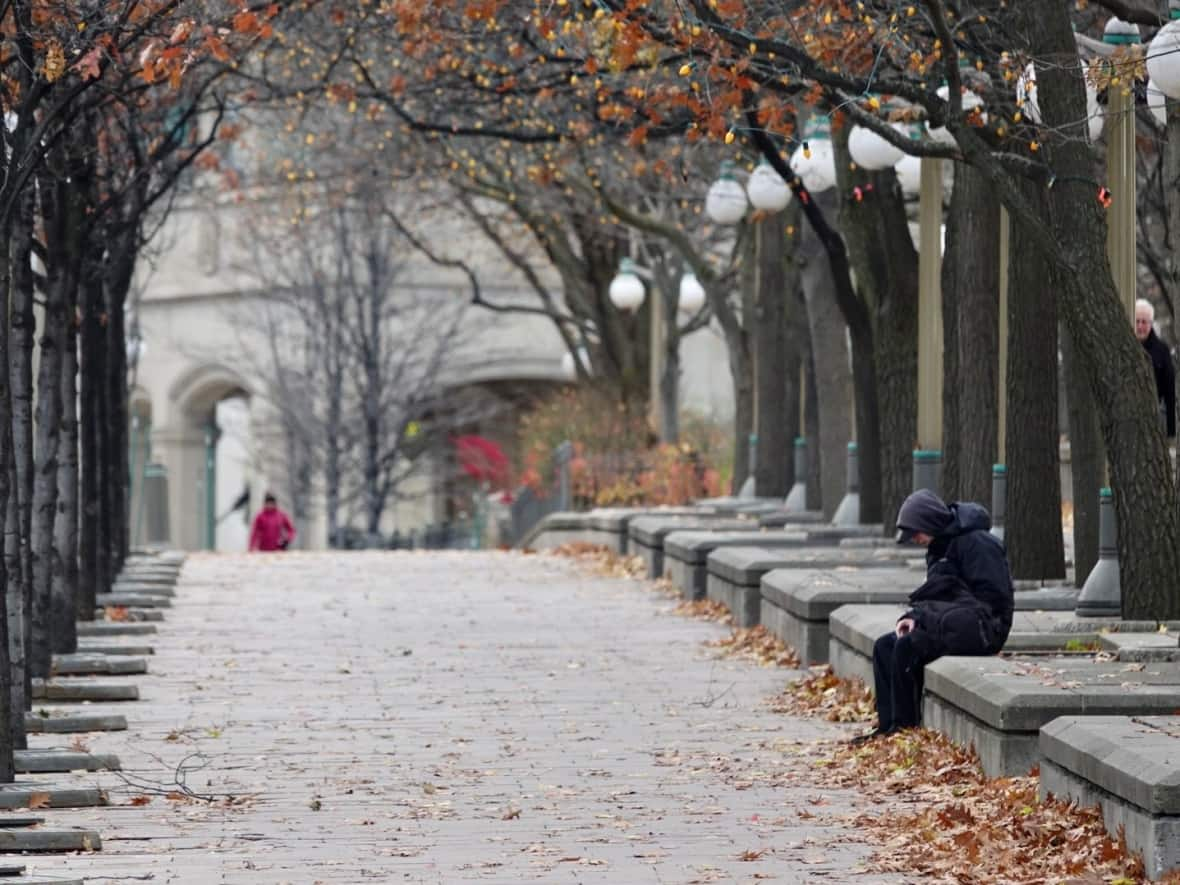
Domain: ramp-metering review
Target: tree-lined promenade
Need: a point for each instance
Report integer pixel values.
(507, 717)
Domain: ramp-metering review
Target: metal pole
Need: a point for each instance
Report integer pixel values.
(930, 338)
(1002, 379)
(656, 340)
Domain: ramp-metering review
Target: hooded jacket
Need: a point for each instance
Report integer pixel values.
(966, 569)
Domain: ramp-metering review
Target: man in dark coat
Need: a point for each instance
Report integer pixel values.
(1161, 363)
(964, 608)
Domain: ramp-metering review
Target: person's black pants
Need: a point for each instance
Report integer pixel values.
(897, 674)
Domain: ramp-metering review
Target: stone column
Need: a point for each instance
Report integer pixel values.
(181, 452)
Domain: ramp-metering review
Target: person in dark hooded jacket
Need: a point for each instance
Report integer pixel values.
(963, 608)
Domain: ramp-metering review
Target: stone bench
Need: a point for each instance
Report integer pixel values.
(558, 529)
(686, 553)
(734, 574)
(1044, 623)
(1130, 767)
(1134, 647)
(646, 534)
(610, 525)
(999, 705)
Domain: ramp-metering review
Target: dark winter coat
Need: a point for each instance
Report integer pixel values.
(1165, 378)
(965, 606)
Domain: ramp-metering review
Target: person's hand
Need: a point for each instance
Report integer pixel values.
(904, 627)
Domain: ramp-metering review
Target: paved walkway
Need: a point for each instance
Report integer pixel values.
(447, 717)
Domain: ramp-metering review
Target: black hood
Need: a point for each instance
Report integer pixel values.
(969, 518)
(925, 512)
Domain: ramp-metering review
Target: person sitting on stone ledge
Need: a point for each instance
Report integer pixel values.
(963, 608)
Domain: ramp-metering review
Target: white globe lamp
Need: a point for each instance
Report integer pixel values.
(726, 202)
(870, 151)
(1163, 57)
(626, 289)
(814, 161)
(1026, 95)
(1157, 103)
(767, 190)
(692, 293)
(909, 174)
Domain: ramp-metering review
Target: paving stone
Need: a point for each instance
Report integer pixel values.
(113, 628)
(41, 721)
(81, 689)
(91, 664)
(645, 534)
(1130, 767)
(56, 761)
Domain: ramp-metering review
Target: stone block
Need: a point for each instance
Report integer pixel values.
(1127, 766)
(89, 664)
(99, 647)
(1000, 703)
(114, 628)
(67, 689)
(40, 841)
(48, 795)
(61, 761)
(1141, 646)
(50, 722)
(131, 614)
(646, 534)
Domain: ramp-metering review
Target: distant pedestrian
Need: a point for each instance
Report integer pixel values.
(272, 529)
(1161, 363)
(964, 608)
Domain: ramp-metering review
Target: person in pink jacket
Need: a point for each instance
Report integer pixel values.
(272, 529)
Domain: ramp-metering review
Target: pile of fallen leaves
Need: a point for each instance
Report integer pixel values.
(967, 828)
(824, 694)
(757, 644)
(705, 610)
(602, 560)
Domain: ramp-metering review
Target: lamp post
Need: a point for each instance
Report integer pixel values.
(767, 192)
(627, 293)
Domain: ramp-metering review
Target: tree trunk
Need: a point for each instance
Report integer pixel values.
(20, 354)
(16, 611)
(90, 374)
(1033, 531)
(119, 418)
(1113, 361)
(103, 438)
(831, 377)
(1086, 462)
(739, 340)
(64, 588)
(45, 491)
(12, 617)
(778, 278)
(975, 225)
(884, 349)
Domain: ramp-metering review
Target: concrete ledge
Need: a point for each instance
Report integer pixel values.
(1001, 753)
(1155, 838)
(82, 664)
(134, 615)
(780, 518)
(1141, 646)
(646, 534)
(153, 590)
(83, 690)
(56, 723)
(61, 761)
(20, 794)
(48, 841)
(744, 603)
(114, 628)
(98, 647)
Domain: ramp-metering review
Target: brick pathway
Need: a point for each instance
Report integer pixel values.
(448, 717)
